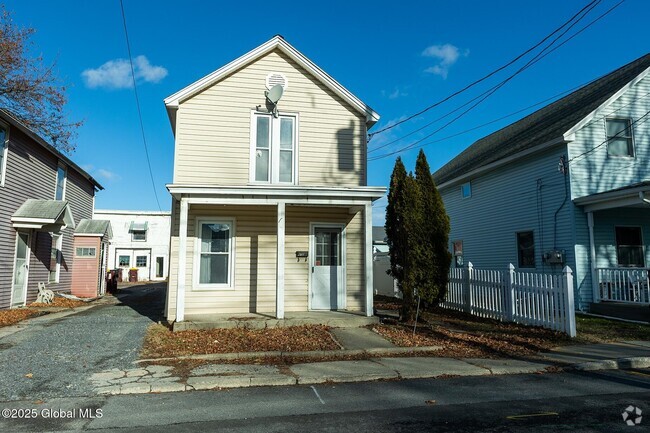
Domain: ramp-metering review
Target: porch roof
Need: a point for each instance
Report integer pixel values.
(272, 194)
(97, 228)
(637, 194)
(44, 215)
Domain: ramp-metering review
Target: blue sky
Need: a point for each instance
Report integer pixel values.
(398, 57)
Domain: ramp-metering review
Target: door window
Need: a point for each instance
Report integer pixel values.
(328, 247)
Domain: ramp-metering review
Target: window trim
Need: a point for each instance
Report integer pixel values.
(643, 250)
(462, 192)
(274, 150)
(76, 252)
(631, 126)
(59, 258)
(5, 153)
(517, 233)
(196, 285)
(65, 181)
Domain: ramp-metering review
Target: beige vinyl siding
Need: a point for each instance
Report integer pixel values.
(255, 259)
(213, 129)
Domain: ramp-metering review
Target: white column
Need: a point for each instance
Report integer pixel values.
(368, 258)
(182, 259)
(592, 257)
(279, 276)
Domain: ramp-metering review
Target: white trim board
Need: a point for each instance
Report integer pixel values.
(277, 42)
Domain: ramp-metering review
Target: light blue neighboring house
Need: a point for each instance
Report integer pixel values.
(567, 185)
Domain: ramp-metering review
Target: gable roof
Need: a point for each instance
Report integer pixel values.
(39, 214)
(89, 227)
(545, 125)
(13, 120)
(277, 42)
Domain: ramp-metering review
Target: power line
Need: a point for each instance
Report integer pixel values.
(137, 103)
(492, 90)
(469, 86)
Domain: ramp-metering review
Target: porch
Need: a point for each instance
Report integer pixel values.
(619, 228)
(268, 252)
(335, 319)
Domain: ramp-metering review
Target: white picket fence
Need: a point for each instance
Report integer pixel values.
(522, 297)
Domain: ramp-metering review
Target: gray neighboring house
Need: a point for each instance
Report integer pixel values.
(44, 195)
(567, 185)
(383, 283)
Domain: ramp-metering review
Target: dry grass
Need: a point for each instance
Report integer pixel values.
(11, 317)
(160, 342)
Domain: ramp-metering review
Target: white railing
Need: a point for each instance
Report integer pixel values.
(522, 297)
(624, 285)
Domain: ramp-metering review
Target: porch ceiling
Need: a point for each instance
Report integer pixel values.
(636, 195)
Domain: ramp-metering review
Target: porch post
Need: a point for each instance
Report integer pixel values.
(279, 276)
(592, 258)
(368, 258)
(182, 258)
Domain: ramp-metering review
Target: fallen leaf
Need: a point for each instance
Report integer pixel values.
(29, 375)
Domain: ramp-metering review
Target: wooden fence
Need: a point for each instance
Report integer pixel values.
(521, 297)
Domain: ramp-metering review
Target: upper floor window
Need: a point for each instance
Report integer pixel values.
(629, 246)
(526, 249)
(3, 155)
(466, 190)
(273, 148)
(61, 176)
(138, 231)
(619, 137)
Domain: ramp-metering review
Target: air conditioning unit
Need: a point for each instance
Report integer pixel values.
(554, 257)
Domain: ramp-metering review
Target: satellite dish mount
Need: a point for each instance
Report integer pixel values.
(272, 97)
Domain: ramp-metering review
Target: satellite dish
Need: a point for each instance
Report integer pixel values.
(274, 94)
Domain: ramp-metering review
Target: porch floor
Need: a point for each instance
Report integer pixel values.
(621, 310)
(335, 319)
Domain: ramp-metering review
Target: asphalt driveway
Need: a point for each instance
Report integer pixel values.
(56, 357)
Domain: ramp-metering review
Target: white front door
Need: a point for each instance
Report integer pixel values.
(21, 270)
(327, 267)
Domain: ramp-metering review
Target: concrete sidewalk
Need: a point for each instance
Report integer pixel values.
(626, 354)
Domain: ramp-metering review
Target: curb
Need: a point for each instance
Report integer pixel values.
(307, 354)
(614, 364)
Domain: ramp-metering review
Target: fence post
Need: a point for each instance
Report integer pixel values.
(570, 313)
(468, 287)
(509, 294)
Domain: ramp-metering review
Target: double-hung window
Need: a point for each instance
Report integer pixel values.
(273, 148)
(61, 175)
(619, 137)
(629, 247)
(526, 249)
(215, 254)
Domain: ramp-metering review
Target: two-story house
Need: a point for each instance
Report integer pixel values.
(567, 185)
(44, 196)
(140, 240)
(271, 212)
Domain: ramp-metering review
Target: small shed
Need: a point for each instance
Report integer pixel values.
(91, 239)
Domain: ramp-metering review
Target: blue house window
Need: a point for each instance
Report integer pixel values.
(466, 190)
(526, 249)
(629, 247)
(619, 137)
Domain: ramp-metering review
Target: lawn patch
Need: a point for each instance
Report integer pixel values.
(160, 342)
(599, 330)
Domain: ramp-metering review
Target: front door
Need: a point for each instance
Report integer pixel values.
(21, 270)
(328, 276)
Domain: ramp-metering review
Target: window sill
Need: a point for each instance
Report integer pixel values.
(213, 288)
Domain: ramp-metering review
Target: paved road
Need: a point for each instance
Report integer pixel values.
(61, 354)
(576, 402)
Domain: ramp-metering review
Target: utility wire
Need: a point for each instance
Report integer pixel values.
(469, 86)
(137, 103)
(492, 90)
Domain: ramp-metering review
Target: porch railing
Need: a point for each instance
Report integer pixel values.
(630, 285)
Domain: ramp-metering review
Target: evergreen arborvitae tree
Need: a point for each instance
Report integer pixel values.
(400, 222)
(433, 258)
